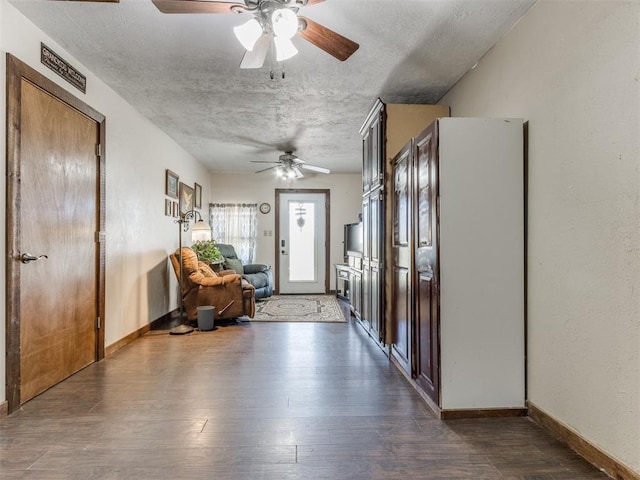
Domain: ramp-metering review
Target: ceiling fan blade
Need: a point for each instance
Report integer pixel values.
(313, 168)
(297, 171)
(255, 58)
(196, 6)
(262, 161)
(331, 42)
(313, 2)
(267, 169)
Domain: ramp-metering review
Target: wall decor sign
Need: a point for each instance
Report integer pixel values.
(197, 188)
(171, 184)
(186, 198)
(56, 63)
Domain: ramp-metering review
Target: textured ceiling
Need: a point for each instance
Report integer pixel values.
(181, 71)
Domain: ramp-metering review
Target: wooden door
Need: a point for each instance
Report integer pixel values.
(401, 262)
(427, 323)
(55, 209)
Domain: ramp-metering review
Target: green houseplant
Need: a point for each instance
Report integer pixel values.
(207, 251)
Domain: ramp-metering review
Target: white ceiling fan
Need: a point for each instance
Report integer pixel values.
(290, 166)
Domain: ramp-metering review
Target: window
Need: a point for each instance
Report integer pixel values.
(235, 224)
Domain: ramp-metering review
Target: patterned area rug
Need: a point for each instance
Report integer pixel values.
(299, 308)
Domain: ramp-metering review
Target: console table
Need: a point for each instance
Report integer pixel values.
(342, 280)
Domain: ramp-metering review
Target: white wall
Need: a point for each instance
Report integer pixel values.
(345, 196)
(140, 286)
(572, 69)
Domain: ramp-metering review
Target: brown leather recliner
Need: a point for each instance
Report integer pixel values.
(231, 296)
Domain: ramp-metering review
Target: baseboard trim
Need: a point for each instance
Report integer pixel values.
(123, 342)
(455, 414)
(590, 452)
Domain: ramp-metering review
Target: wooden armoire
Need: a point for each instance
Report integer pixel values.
(386, 129)
(456, 265)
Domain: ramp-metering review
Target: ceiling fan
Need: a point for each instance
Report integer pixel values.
(289, 166)
(274, 22)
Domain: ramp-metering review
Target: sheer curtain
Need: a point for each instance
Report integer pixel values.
(235, 224)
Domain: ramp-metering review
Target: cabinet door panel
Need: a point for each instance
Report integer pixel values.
(401, 309)
(366, 161)
(356, 293)
(366, 230)
(427, 367)
(376, 154)
(365, 312)
(401, 348)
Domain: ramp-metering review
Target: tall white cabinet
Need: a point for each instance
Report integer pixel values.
(457, 265)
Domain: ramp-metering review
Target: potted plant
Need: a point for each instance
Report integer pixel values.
(207, 251)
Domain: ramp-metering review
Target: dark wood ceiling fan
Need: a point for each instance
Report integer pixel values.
(266, 14)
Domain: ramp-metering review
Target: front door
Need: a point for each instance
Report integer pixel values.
(302, 244)
(55, 270)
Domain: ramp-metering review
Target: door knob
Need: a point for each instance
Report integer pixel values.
(28, 258)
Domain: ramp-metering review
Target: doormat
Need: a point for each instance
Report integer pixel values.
(299, 308)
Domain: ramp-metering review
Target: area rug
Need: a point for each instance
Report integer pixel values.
(299, 308)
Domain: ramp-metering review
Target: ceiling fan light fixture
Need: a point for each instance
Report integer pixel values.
(285, 49)
(284, 23)
(248, 33)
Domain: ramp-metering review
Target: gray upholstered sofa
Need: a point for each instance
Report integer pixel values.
(257, 274)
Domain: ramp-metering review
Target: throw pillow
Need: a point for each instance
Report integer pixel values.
(234, 264)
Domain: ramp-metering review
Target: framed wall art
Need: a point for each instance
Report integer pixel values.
(185, 198)
(171, 184)
(197, 192)
(168, 207)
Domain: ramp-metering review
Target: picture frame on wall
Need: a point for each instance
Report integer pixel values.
(168, 207)
(197, 195)
(174, 209)
(171, 184)
(185, 198)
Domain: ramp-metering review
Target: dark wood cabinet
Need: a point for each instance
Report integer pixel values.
(457, 264)
(387, 128)
(402, 332)
(425, 243)
(342, 281)
(349, 283)
(355, 280)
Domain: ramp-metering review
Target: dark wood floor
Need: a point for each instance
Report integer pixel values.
(262, 401)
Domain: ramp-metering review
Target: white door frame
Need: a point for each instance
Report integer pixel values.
(327, 203)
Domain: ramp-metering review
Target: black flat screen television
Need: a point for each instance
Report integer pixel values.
(353, 240)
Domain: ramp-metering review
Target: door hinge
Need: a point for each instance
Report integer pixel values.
(98, 150)
(98, 325)
(100, 237)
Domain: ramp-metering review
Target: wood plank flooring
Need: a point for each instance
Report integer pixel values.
(262, 401)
